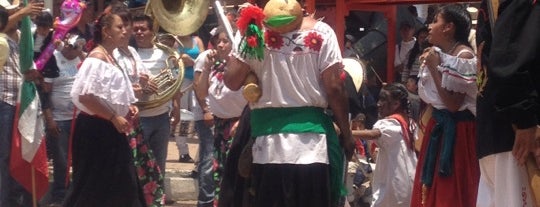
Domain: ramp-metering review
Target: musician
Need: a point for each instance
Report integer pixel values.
(508, 103)
(154, 121)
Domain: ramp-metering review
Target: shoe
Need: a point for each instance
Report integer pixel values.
(169, 202)
(186, 159)
(193, 174)
(55, 204)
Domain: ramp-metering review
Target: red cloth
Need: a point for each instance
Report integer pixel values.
(34, 176)
(459, 189)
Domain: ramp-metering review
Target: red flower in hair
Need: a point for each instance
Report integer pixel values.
(313, 41)
(273, 39)
(252, 41)
(249, 15)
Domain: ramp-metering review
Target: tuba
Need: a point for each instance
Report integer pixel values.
(177, 17)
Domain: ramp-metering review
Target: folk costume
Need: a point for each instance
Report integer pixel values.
(103, 170)
(226, 105)
(296, 154)
(507, 98)
(396, 164)
(447, 172)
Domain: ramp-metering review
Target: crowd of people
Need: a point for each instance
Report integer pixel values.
(458, 127)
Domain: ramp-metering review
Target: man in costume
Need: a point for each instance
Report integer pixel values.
(297, 156)
(507, 103)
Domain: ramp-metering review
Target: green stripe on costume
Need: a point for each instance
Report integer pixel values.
(296, 120)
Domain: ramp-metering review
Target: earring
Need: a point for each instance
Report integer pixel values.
(110, 37)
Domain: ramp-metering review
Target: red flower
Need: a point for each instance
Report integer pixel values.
(150, 187)
(149, 198)
(151, 163)
(248, 15)
(144, 149)
(252, 41)
(132, 143)
(313, 41)
(273, 39)
(140, 172)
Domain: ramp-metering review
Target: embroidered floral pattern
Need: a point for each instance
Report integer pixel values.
(148, 171)
(313, 41)
(273, 40)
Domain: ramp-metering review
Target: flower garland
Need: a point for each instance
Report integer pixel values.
(250, 25)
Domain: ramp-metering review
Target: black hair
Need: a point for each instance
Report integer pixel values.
(398, 92)
(104, 20)
(413, 10)
(416, 48)
(143, 17)
(214, 38)
(44, 19)
(122, 11)
(458, 15)
(415, 78)
(4, 16)
(360, 117)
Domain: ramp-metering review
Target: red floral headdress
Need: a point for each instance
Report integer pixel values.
(250, 25)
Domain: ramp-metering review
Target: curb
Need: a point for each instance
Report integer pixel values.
(180, 188)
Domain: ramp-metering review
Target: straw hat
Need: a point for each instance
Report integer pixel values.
(473, 11)
(281, 9)
(9, 6)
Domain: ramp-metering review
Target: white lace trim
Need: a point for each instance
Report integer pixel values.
(458, 74)
(105, 81)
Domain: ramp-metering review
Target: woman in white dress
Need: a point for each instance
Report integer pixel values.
(103, 170)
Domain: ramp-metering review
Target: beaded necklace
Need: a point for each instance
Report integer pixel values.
(217, 71)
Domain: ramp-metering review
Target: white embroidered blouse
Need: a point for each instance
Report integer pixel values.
(458, 75)
(105, 81)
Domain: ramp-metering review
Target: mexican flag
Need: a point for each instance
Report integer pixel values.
(28, 160)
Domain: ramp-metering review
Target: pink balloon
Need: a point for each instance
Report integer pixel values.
(71, 14)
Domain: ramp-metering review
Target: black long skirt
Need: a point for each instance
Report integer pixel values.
(289, 185)
(103, 170)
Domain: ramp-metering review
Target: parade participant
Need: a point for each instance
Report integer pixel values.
(508, 104)
(395, 135)
(447, 172)
(296, 154)
(103, 170)
(223, 103)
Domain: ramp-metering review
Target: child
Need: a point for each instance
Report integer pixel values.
(396, 162)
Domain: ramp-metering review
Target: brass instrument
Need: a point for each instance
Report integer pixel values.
(179, 18)
(168, 81)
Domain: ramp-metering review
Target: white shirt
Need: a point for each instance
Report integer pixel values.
(396, 166)
(106, 81)
(62, 107)
(290, 76)
(154, 60)
(224, 102)
(458, 75)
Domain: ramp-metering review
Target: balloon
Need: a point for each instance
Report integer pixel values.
(71, 14)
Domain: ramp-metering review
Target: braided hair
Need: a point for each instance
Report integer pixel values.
(399, 93)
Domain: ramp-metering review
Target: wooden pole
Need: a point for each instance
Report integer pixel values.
(34, 198)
